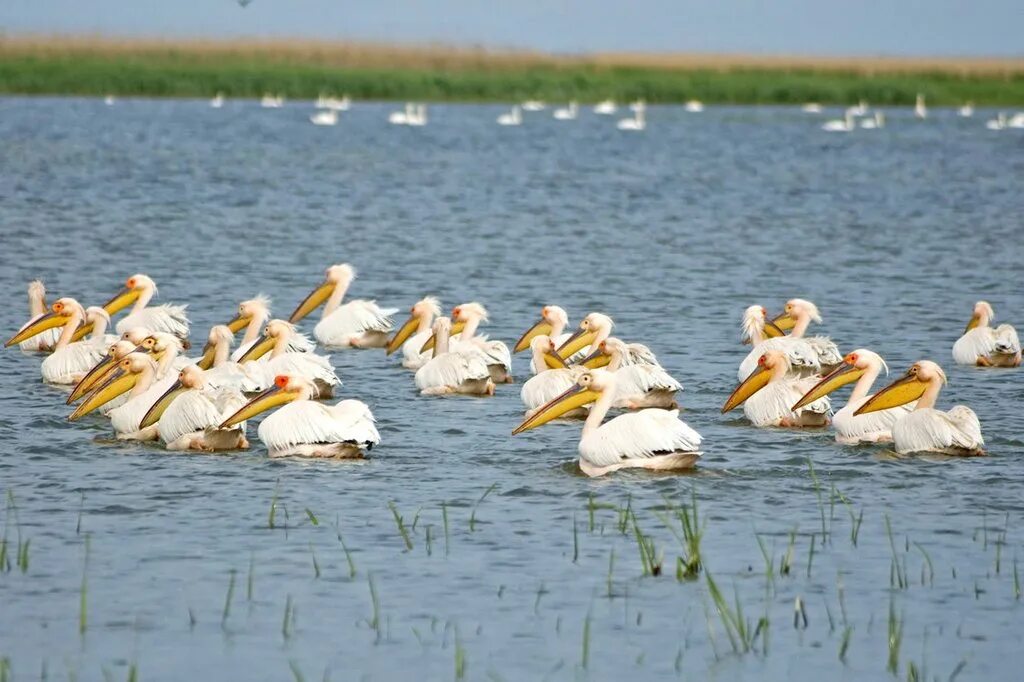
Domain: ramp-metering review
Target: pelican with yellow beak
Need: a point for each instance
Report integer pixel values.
(545, 386)
(44, 341)
(415, 332)
(552, 323)
(648, 439)
(278, 340)
(861, 366)
(304, 428)
(926, 429)
(639, 380)
(467, 317)
(461, 369)
(70, 360)
(769, 392)
(140, 290)
(356, 324)
(984, 346)
(806, 355)
(252, 316)
(101, 371)
(189, 413)
(137, 376)
(593, 329)
(222, 371)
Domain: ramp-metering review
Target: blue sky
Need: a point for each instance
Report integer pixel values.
(839, 27)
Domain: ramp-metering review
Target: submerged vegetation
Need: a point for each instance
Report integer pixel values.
(77, 66)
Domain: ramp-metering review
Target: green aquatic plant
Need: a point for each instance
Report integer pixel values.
(400, 523)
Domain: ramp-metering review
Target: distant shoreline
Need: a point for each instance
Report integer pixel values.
(81, 65)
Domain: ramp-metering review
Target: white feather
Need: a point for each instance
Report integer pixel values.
(126, 419)
(412, 358)
(633, 382)
(929, 430)
(307, 365)
(803, 356)
(542, 388)
(873, 427)
(297, 343)
(637, 435)
(68, 364)
(985, 342)
(198, 410)
(159, 318)
(305, 422)
(352, 319)
(771, 405)
(452, 369)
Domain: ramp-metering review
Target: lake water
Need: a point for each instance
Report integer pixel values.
(893, 233)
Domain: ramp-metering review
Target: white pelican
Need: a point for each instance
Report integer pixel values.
(226, 372)
(998, 123)
(130, 341)
(842, 125)
(1016, 121)
(567, 113)
(640, 381)
(638, 105)
(875, 122)
(533, 105)
(605, 108)
(188, 415)
(109, 100)
(796, 318)
(218, 101)
(552, 323)
(811, 108)
(694, 106)
(419, 116)
(140, 289)
(70, 360)
(805, 355)
(967, 110)
(769, 393)
(304, 428)
(252, 316)
(467, 318)
(648, 439)
(920, 110)
(415, 332)
(511, 118)
(270, 101)
(324, 118)
(548, 384)
(593, 329)
(44, 341)
(925, 429)
(459, 370)
(862, 366)
(137, 376)
(861, 109)
(278, 339)
(401, 118)
(636, 122)
(356, 324)
(984, 346)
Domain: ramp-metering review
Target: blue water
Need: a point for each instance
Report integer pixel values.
(673, 231)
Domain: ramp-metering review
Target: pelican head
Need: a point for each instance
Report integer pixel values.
(589, 386)
(220, 334)
(102, 370)
(423, 311)
(276, 332)
(983, 316)
(159, 344)
(772, 364)
(136, 335)
(135, 287)
(124, 378)
(797, 310)
(254, 309)
(544, 345)
(604, 352)
(552, 317)
(593, 327)
(190, 377)
(37, 291)
(852, 368)
(462, 315)
(61, 312)
(340, 275)
(287, 388)
(922, 375)
(756, 325)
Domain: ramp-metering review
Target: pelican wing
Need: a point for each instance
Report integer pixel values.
(354, 317)
(497, 353)
(639, 354)
(452, 369)
(872, 426)
(412, 358)
(646, 433)
(638, 380)
(308, 365)
(305, 422)
(542, 388)
(802, 356)
(1006, 340)
(64, 364)
(235, 376)
(772, 403)
(191, 411)
(933, 430)
(159, 318)
(297, 343)
(979, 342)
(825, 349)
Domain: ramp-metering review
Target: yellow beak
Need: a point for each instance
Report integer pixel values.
(576, 396)
(239, 323)
(313, 301)
(121, 300)
(975, 320)
(772, 330)
(272, 397)
(581, 338)
(457, 328)
(840, 376)
(900, 392)
(206, 361)
(97, 375)
(41, 324)
(782, 323)
(264, 345)
(596, 359)
(120, 382)
(403, 334)
(751, 385)
(161, 404)
(541, 327)
(555, 361)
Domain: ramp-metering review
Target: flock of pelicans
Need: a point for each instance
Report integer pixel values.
(142, 381)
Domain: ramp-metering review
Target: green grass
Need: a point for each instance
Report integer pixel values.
(181, 72)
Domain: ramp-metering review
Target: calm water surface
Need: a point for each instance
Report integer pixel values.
(893, 233)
